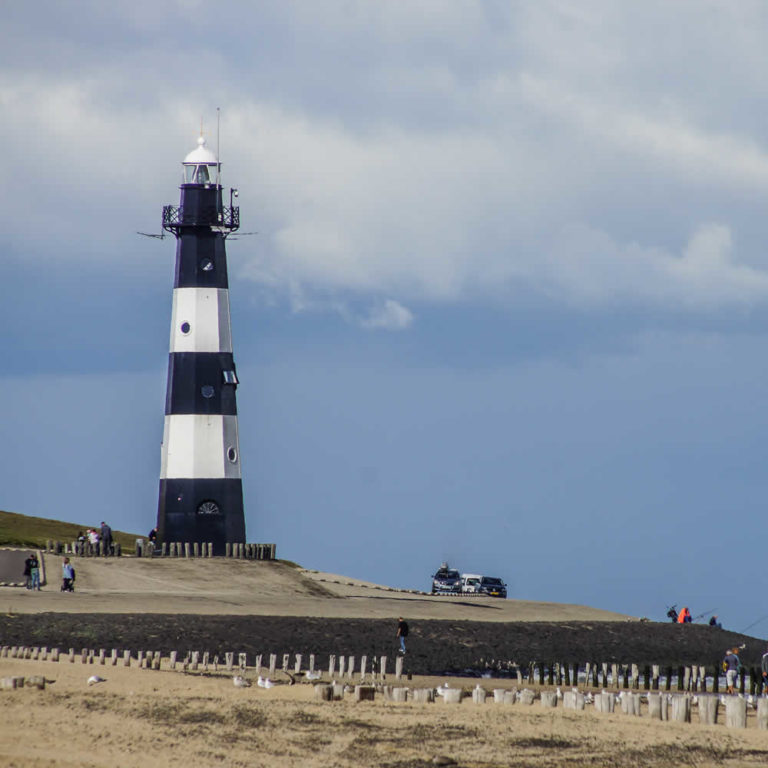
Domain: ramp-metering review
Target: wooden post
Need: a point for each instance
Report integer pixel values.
(126, 658)
(342, 665)
(272, 664)
(604, 669)
(450, 696)
(195, 660)
(615, 675)
(655, 677)
(762, 714)
(331, 665)
(229, 658)
(196, 548)
(173, 659)
(113, 657)
(708, 709)
(383, 666)
(703, 679)
(686, 679)
(186, 549)
(286, 661)
(479, 695)
(365, 692)
(635, 676)
(350, 666)
(735, 712)
(228, 549)
(206, 656)
(297, 665)
(243, 660)
(324, 692)
(363, 664)
(210, 549)
(311, 662)
(654, 705)
(84, 655)
(398, 667)
(549, 698)
(681, 709)
(54, 654)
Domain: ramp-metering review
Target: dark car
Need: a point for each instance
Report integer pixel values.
(446, 581)
(490, 585)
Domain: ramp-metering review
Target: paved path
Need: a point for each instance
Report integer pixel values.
(12, 564)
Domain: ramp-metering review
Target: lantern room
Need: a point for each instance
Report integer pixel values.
(201, 166)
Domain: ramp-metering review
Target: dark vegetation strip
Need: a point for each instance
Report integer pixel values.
(434, 646)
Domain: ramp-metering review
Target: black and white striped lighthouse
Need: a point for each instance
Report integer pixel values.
(201, 489)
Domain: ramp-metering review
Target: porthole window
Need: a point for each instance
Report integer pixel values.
(232, 454)
(207, 391)
(185, 328)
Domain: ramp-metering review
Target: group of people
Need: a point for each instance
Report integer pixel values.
(93, 536)
(32, 572)
(684, 617)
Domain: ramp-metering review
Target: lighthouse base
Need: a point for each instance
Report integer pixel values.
(201, 510)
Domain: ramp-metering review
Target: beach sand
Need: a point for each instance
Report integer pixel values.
(157, 719)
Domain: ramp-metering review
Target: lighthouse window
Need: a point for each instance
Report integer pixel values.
(230, 377)
(208, 508)
(185, 328)
(207, 391)
(232, 454)
(206, 265)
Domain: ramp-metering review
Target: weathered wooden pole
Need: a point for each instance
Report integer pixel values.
(681, 708)
(735, 712)
(762, 714)
(708, 709)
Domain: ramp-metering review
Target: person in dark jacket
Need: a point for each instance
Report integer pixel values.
(731, 665)
(106, 538)
(402, 632)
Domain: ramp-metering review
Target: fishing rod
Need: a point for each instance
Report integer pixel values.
(763, 618)
(702, 615)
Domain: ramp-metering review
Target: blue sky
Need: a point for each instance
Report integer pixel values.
(507, 305)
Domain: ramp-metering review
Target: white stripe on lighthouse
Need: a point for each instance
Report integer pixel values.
(200, 320)
(200, 446)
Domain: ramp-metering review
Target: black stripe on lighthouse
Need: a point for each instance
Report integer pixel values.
(201, 496)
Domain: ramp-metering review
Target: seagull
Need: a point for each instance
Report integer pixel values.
(240, 682)
(93, 679)
(313, 675)
(265, 682)
(441, 689)
(558, 693)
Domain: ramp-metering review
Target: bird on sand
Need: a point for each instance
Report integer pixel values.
(240, 682)
(93, 679)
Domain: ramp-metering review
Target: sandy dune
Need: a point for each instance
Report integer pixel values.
(145, 719)
(237, 587)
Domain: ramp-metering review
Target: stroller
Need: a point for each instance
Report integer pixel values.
(68, 584)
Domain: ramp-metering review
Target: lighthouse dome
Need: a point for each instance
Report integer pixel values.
(200, 165)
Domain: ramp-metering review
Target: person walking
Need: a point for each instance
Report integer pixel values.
(731, 665)
(34, 573)
(28, 572)
(67, 576)
(402, 633)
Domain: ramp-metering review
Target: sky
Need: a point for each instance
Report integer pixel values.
(506, 303)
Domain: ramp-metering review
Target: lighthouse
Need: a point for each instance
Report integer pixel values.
(201, 489)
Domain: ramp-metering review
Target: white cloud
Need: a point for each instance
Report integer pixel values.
(388, 316)
(441, 168)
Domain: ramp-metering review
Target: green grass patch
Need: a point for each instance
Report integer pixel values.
(25, 531)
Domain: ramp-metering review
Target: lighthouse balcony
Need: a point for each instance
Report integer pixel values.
(224, 218)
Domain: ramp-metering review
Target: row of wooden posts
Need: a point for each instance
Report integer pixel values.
(627, 676)
(649, 677)
(661, 705)
(146, 548)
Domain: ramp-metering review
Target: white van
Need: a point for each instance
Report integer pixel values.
(470, 582)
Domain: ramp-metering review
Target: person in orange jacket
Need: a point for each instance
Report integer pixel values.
(684, 617)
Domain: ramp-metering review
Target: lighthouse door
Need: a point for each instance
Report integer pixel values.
(210, 522)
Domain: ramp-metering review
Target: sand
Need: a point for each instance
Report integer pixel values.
(232, 587)
(151, 719)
